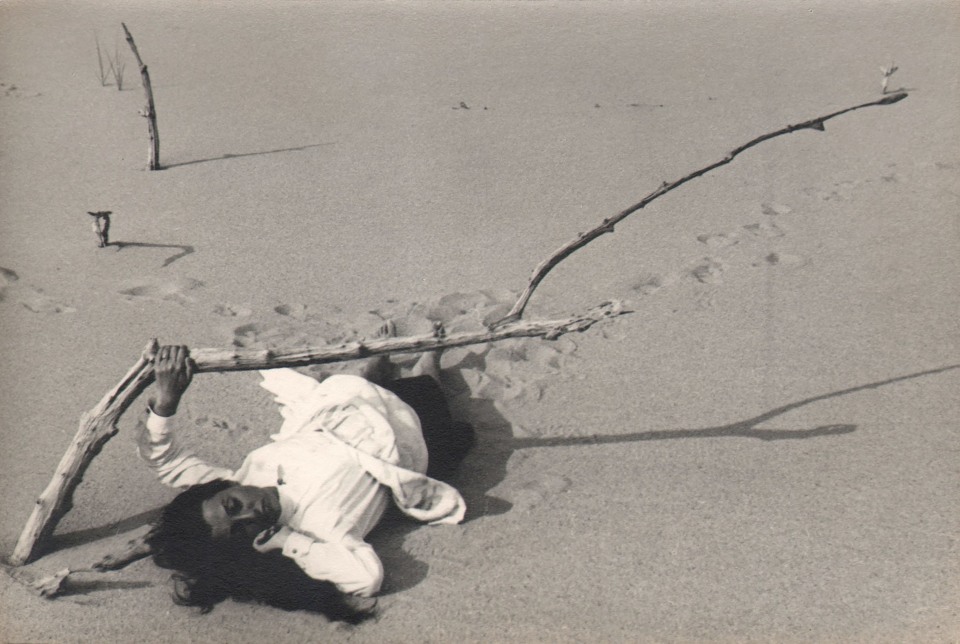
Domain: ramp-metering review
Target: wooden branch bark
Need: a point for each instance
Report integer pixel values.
(99, 424)
(134, 549)
(607, 226)
(149, 112)
(53, 585)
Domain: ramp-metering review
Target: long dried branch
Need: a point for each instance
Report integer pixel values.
(149, 112)
(99, 424)
(608, 224)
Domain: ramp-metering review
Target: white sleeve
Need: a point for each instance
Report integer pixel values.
(173, 464)
(351, 565)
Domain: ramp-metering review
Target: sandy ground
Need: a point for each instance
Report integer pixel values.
(766, 449)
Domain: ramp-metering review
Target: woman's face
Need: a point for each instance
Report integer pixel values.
(241, 511)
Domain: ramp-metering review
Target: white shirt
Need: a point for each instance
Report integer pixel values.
(343, 444)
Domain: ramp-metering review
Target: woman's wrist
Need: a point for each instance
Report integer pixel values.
(164, 406)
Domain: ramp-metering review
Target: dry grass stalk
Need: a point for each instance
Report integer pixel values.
(103, 70)
(117, 65)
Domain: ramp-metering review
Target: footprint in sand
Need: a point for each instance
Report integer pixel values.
(251, 335)
(12, 91)
(774, 209)
(220, 423)
(257, 335)
(825, 195)
(462, 311)
(232, 311)
(765, 229)
(499, 383)
(718, 240)
(840, 191)
(35, 300)
(296, 311)
(532, 493)
(32, 298)
(162, 290)
(708, 271)
(650, 283)
(495, 314)
(783, 259)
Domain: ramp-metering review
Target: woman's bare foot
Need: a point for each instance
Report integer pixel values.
(379, 369)
(429, 362)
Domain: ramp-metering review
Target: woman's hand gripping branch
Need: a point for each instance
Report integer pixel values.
(173, 370)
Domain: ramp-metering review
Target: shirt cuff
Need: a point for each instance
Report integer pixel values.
(297, 545)
(159, 426)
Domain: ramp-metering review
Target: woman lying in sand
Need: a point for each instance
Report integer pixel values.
(288, 527)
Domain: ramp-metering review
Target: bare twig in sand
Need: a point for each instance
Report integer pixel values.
(608, 224)
(98, 425)
(149, 112)
(887, 73)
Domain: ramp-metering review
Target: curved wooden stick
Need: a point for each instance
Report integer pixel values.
(608, 224)
(98, 425)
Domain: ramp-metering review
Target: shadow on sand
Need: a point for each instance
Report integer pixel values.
(184, 249)
(89, 535)
(743, 429)
(74, 586)
(224, 157)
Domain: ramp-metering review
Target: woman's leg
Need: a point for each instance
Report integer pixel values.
(428, 365)
(378, 369)
(447, 440)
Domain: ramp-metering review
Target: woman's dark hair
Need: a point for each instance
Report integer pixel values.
(208, 571)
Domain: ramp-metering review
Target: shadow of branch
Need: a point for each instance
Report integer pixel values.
(73, 587)
(744, 429)
(185, 249)
(89, 535)
(227, 156)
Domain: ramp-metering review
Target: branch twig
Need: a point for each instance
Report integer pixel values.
(99, 424)
(608, 224)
